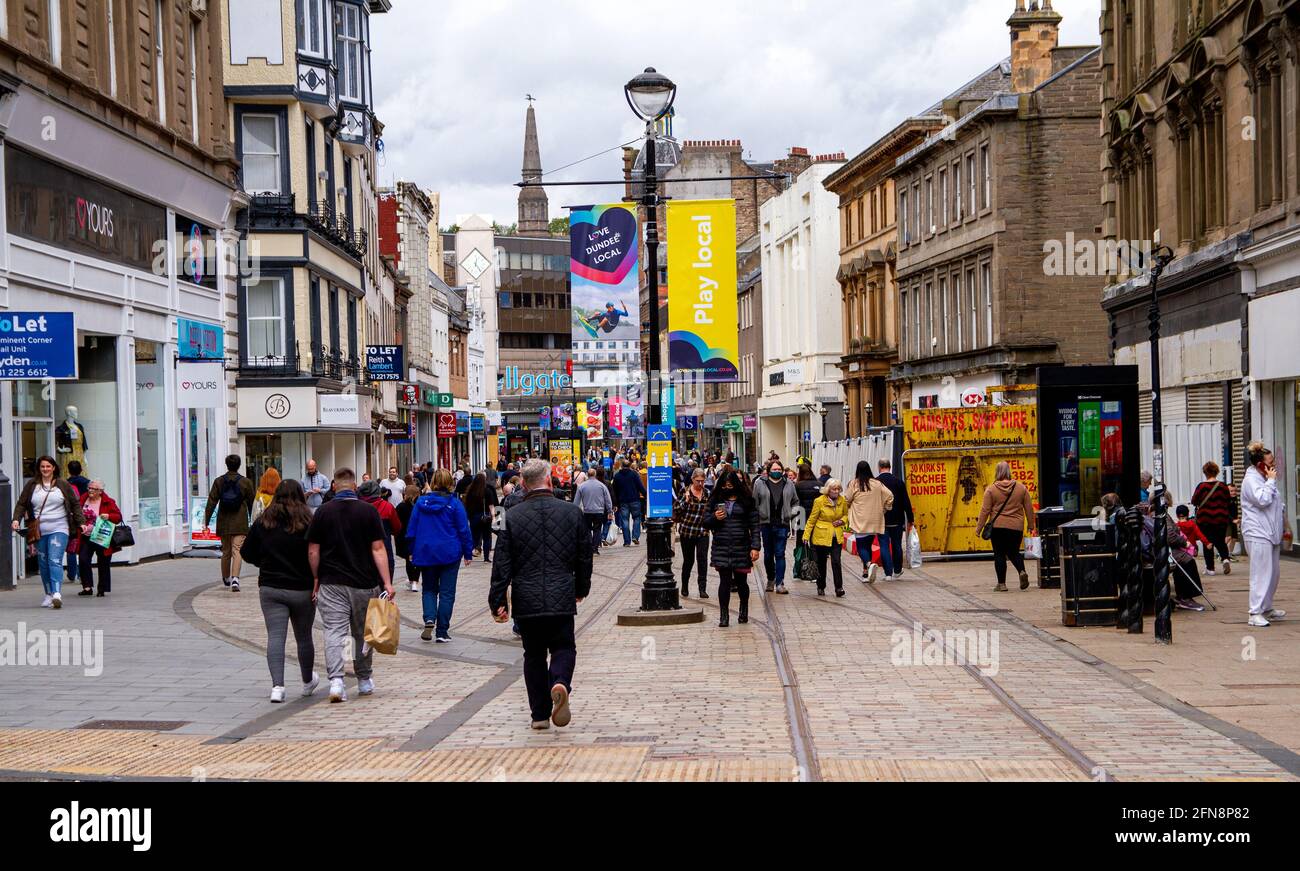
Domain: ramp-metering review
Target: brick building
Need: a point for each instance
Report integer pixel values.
(1200, 134)
(980, 203)
(119, 202)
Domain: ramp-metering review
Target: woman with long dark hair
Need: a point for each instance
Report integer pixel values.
(480, 499)
(277, 545)
(52, 510)
(733, 519)
(868, 501)
(401, 545)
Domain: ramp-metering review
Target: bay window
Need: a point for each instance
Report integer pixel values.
(313, 27)
(348, 55)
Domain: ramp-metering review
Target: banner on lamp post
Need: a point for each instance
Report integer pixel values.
(603, 260)
(703, 331)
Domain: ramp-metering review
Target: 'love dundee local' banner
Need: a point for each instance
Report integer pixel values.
(703, 331)
(603, 260)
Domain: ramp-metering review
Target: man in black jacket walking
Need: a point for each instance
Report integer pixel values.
(544, 557)
(899, 518)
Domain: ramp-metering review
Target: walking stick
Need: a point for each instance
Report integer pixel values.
(1192, 581)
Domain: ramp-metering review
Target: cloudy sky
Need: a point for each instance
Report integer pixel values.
(451, 78)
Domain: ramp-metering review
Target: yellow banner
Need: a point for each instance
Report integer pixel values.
(703, 323)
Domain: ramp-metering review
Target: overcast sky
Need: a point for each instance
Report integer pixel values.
(828, 75)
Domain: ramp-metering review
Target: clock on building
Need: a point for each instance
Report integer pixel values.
(476, 264)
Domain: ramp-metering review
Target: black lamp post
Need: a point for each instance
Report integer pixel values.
(824, 411)
(651, 95)
(866, 419)
(1161, 258)
(847, 416)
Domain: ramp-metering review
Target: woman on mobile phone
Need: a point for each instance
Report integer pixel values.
(1264, 529)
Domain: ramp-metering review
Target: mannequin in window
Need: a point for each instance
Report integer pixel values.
(70, 438)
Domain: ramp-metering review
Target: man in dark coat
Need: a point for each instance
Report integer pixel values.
(899, 518)
(230, 498)
(544, 556)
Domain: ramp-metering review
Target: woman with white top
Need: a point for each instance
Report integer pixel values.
(1264, 529)
(52, 510)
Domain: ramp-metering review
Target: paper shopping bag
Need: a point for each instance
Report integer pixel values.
(383, 626)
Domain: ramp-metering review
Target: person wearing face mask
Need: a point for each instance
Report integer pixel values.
(776, 499)
(827, 523)
(1264, 529)
(732, 517)
(689, 514)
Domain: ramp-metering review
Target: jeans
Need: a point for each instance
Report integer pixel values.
(896, 552)
(631, 532)
(279, 609)
(695, 550)
(89, 550)
(864, 551)
(604, 530)
(439, 594)
(596, 522)
(543, 636)
(1006, 546)
(775, 539)
(72, 571)
(49, 556)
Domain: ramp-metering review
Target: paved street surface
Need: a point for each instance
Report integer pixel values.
(812, 689)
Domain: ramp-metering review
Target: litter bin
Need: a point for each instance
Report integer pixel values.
(1050, 521)
(1089, 575)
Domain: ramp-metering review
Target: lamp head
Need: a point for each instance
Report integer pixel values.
(650, 95)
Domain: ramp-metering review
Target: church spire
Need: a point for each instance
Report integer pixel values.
(534, 208)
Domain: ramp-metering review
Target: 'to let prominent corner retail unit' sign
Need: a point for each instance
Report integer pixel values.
(950, 457)
(37, 345)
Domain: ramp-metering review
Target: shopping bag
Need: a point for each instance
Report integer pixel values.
(383, 626)
(1033, 548)
(612, 538)
(808, 566)
(875, 551)
(102, 533)
(913, 550)
(851, 544)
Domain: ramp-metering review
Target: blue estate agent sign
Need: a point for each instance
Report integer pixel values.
(37, 345)
(384, 362)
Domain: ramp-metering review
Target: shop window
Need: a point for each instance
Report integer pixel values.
(85, 425)
(150, 469)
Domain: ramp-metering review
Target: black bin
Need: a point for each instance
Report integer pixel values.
(1050, 521)
(1089, 575)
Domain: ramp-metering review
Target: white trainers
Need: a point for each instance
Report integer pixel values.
(310, 687)
(338, 693)
(415, 588)
(234, 585)
(1210, 572)
(366, 687)
(1258, 621)
(47, 601)
(56, 601)
(277, 695)
(1274, 614)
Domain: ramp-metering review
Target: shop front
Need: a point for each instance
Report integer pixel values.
(284, 426)
(128, 276)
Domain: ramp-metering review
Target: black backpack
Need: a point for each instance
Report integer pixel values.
(232, 495)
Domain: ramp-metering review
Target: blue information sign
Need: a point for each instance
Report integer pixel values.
(476, 424)
(37, 345)
(659, 474)
(462, 423)
(384, 362)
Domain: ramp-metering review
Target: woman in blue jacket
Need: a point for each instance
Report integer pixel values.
(439, 538)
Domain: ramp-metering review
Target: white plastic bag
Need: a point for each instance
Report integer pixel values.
(913, 550)
(612, 538)
(1033, 548)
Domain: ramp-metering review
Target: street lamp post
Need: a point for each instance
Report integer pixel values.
(824, 411)
(1164, 632)
(651, 95)
(866, 419)
(847, 416)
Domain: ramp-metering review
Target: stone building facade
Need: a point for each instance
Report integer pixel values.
(1200, 134)
(981, 204)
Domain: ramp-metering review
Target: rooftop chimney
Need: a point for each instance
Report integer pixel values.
(1035, 32)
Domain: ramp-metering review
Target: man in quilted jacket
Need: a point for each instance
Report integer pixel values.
(543, 559)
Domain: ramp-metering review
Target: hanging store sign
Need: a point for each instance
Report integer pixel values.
(196, 340)
(604, 251)
(447, 425)
(198, 385)
(703, 332)
(37, 345)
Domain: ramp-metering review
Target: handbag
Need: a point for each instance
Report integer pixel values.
(123, 537)
(1208, 496)
(987, 532)
(33, 531)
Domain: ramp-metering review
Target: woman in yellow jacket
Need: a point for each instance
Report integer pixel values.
(827, 525)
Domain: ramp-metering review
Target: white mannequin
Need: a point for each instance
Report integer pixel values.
(74, 446)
